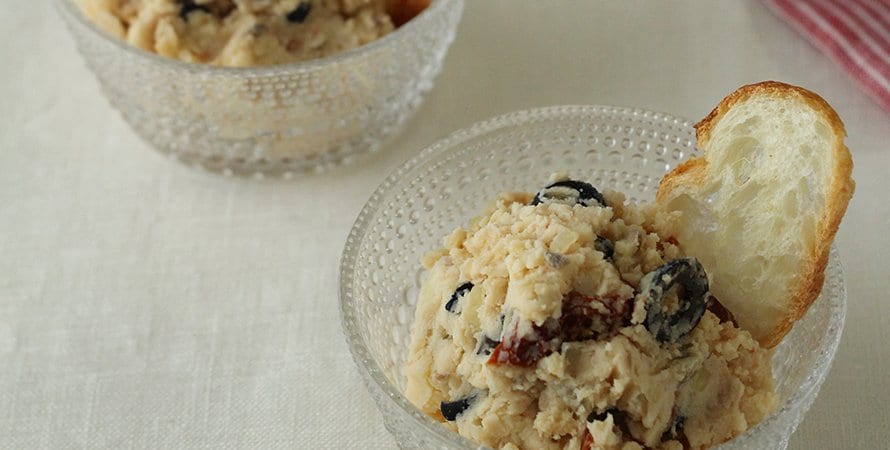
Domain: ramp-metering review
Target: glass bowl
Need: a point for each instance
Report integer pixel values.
(276, 120)
(450, 182)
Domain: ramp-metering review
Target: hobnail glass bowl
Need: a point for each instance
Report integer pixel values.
(450, 182)
(276, 120)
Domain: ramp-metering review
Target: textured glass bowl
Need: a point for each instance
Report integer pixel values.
(276, 120)
(450, 182)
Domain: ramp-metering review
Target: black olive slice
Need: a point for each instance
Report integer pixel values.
(556, 260)
(187, 6)
(299, 14)
(605, 246)
(570, 192)
(674, 431)
(451, 410)
(460, 292)
(676, 426)
(690, 274)
(599, 416)
(619, 418)
(486, 345)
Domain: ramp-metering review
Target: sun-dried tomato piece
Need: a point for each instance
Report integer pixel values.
(581, 320)
(587, 442)
(576, 322)
(401, 11)
(670, 239)
(526, 351)
(720, 311)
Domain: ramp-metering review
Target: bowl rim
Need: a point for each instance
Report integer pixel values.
(361, 354)
(435, 8)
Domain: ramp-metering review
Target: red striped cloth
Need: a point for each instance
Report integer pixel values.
(853, 33)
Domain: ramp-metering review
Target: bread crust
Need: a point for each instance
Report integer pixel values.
(769, 88)
(688, 175)
(840, 193)
(692, 174)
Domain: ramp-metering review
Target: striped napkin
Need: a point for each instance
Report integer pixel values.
(853, 33)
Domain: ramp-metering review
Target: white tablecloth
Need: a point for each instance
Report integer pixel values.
(147, 305)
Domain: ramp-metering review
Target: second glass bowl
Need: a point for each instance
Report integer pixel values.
(276, 120)
(450, 182)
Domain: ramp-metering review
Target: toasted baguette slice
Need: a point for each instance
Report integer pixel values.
(763, 203)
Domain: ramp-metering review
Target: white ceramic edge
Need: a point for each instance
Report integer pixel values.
(362, 357)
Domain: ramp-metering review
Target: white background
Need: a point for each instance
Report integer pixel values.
(143, 304)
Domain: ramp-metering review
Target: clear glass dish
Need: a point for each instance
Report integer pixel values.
(448, 183)
(275, 120)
